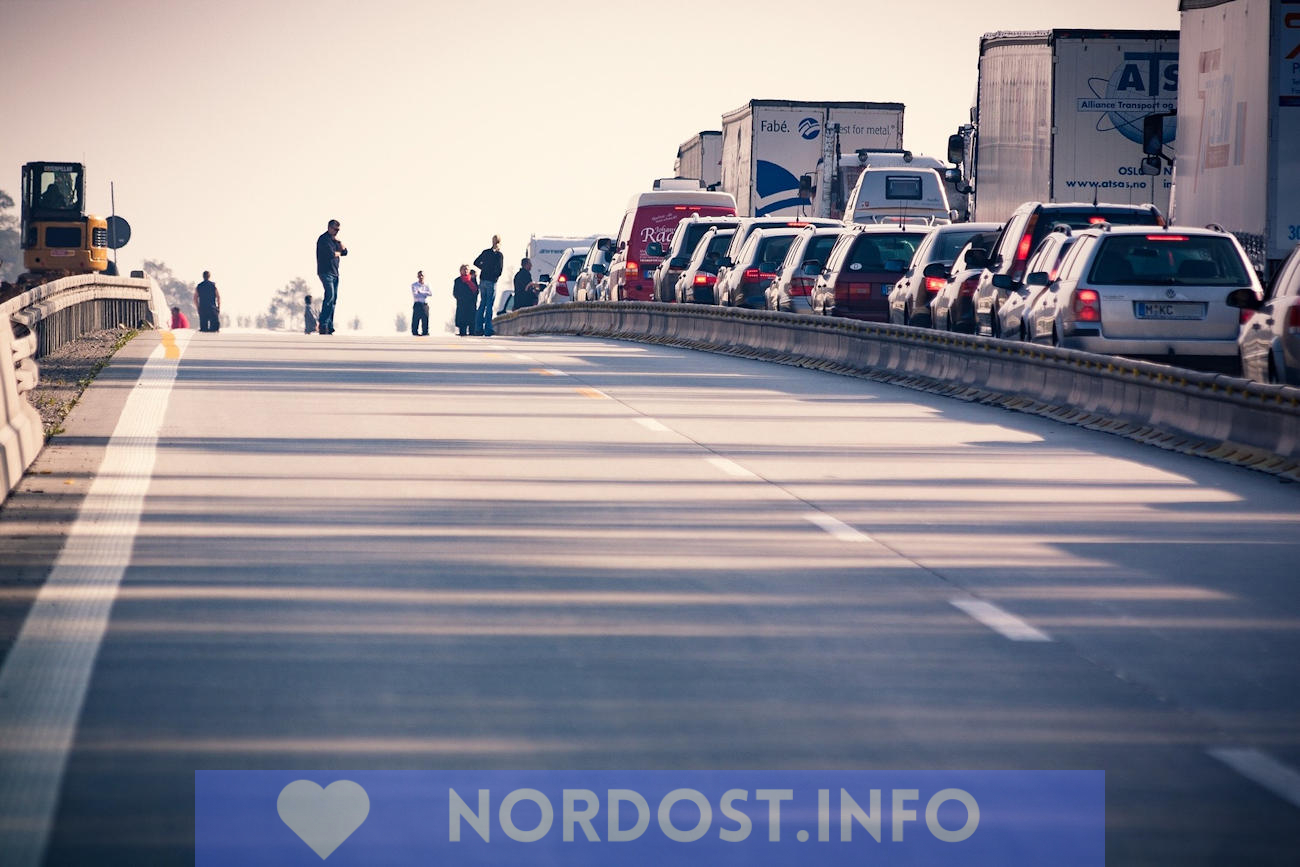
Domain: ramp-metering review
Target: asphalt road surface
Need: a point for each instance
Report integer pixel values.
(317, 553)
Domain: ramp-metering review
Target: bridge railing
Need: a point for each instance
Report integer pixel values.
(1216, 416)
(40, 321)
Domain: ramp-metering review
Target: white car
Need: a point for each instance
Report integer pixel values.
(1148, 292)
(562, 282)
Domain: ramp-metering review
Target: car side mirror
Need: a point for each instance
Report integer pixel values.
(725, 262)
(977, 258)
(1037, 278)
(1245, 298)
(678, 262)
(811, 268)
(1003, 282)
(545, 278)
(936, 269)
(599, 269)
(654, 248)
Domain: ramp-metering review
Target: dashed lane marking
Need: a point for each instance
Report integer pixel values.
(731, 468)
(837, 528)
(654, 425)
(1261, 768)
(999, 620)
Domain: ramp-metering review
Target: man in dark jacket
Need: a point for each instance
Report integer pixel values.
(490, 264)
(328, 250)
(525, 288)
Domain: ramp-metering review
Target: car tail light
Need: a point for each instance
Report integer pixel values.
(969, 285)
(562, 286)
(1023, 249)
(751, 275)
(1293, 320)
(1166, 237)
(633, 269)
(934, 284)
(1086, 305)
(705, 279)
(801, 285)
(1096, 221)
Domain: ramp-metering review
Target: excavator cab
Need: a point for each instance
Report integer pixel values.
(57, 234)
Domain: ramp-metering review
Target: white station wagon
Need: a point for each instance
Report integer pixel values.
(1147, 292)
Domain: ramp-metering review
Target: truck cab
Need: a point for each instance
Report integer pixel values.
(57, 234)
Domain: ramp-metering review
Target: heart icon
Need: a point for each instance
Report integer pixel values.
(323, 818)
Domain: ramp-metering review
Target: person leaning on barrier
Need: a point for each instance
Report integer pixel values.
(525, 288)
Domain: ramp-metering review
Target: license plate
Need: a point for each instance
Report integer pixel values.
(1169, 309)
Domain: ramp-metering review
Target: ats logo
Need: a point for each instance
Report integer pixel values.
(1145, 83)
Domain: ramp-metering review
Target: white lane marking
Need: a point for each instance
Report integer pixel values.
(731, 468)
(1259, 767)
(1000, 620)
(45, 676)
(837, 528)
(522, 357)
(654, 425)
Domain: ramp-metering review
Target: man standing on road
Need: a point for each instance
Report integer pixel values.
(328, 250)
(420, 293)
(490, 264)
(208, 300)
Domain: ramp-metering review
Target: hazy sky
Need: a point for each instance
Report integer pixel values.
(234, 130)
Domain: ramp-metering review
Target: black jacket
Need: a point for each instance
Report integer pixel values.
(490, 263)
(327, 264)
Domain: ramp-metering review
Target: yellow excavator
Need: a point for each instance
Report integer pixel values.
(58, 236)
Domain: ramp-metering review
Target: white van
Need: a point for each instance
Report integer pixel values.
(911, 194)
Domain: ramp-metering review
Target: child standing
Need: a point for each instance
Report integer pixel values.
(309, 316)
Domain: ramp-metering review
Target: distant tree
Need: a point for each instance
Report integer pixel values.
(177, 292)
(287, 304)
(11, 253)
(400, 322)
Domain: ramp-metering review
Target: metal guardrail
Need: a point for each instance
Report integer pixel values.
(38, 322)
(1204, 414)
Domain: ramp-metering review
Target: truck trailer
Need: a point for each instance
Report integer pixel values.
(700, 156)
(1238, 158)
(1059, 117)
(768, 145)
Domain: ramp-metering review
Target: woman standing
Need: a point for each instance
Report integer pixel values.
(466, 295)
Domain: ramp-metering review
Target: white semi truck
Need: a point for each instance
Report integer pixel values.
(700, 156)
(1238, 150)
(768, 145)
(1059, 117)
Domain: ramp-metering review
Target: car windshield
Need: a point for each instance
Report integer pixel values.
(574, 265)
(1168, 259)
(819, 248)
(876, 252)
(948, 244)
(773, 249)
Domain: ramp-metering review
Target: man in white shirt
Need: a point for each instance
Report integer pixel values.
(420, 292)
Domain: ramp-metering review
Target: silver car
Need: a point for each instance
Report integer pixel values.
(1270, 339)
(791, 289)
(1043, 267)
(1148, 292)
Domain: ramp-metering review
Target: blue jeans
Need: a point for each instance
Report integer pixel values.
(487, 293)
(325, 322)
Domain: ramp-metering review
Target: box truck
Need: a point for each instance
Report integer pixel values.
(1238, 154)
(700, 156)
(768, 144)
(1059, 117)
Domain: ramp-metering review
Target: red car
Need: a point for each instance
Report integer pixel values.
(864, 265)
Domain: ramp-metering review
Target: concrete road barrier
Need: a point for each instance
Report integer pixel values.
(45, 318)
(1213, 415)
